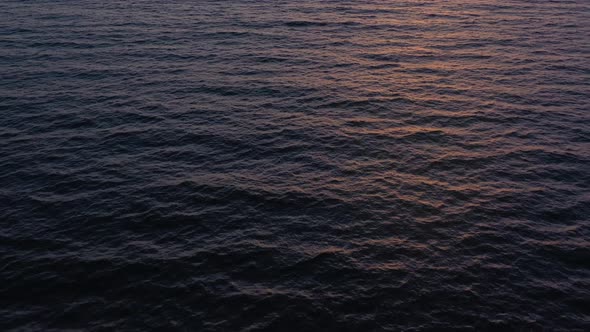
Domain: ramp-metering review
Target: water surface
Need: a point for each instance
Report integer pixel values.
(295, 165)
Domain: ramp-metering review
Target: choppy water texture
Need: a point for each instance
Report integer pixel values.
(295, 165)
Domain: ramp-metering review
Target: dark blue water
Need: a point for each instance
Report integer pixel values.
(295, 165)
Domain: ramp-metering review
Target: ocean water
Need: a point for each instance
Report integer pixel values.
(293, 165)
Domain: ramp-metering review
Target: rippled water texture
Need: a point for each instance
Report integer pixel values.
(295, 165)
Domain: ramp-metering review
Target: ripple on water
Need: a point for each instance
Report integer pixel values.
(309, 165)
